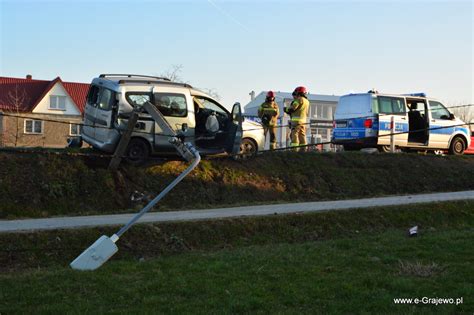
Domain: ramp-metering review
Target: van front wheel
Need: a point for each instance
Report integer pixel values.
(137, 151)
(248, 149)
(457, 146)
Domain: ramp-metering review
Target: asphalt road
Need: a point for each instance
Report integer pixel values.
(29, 225)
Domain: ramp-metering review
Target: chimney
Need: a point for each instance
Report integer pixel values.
(252, 95)
(29, 77)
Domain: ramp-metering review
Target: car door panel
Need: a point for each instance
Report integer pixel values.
(440, 122)
(395, 107)
(104, 131)
(234, 138)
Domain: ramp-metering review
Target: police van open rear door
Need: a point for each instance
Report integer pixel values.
(234, 137)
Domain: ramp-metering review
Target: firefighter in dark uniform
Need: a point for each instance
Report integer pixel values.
(268, 113)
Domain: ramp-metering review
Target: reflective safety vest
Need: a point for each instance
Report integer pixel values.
(300, 108)
(271, 110)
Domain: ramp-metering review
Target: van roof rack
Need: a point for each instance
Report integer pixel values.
(106, 75)
(155, 82)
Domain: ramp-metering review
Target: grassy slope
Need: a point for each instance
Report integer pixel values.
(50, 185)
(347, 262)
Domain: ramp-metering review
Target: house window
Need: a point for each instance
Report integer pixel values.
(57, 102)
(74, 130)
(33, 126)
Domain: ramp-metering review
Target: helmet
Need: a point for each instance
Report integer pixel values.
(270, 94)
(300, 91)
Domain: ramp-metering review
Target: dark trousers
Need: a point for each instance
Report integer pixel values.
(272, 130)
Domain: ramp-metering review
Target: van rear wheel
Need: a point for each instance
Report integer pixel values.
(138, 151)
(457, 146)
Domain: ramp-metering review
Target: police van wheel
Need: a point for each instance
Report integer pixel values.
(457, 146)
(137, 151)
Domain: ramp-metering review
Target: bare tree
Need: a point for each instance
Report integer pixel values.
(174, 73)
(464, 112)
(17, 98)
(213, 93)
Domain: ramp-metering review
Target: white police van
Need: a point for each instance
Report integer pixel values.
(421, 123)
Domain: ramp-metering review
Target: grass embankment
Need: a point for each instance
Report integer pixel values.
(353, 261)
(52, 185)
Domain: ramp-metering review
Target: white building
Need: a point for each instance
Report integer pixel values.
(321, 113)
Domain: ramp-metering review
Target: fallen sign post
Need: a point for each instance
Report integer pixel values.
(104, 248)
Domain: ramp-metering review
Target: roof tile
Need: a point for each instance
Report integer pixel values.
(22, 95)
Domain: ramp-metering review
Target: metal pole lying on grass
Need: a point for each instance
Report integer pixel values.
(104, 248)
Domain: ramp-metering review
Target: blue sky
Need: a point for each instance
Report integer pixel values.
(234, 47)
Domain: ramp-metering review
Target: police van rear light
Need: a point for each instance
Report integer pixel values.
(368, 123)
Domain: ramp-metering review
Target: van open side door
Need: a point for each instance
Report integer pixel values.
(234, 137)
(395, 107)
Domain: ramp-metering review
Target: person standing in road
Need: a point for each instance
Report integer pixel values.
(268, 113)
(298, 111)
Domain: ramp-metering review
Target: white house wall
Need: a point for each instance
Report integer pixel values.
(43, 105)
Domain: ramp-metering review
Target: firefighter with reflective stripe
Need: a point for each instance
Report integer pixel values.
(298, 111)
(268, 113)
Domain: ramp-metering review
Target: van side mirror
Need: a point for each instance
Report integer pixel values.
(451, 116)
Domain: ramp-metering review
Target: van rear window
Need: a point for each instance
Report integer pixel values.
(389, 105)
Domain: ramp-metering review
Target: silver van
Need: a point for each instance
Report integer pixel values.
(364, 121)
(112, 98)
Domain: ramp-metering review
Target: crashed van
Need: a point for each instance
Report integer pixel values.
(363, 120)
(201, 119)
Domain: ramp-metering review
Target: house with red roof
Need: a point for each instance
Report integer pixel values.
(40, 113)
